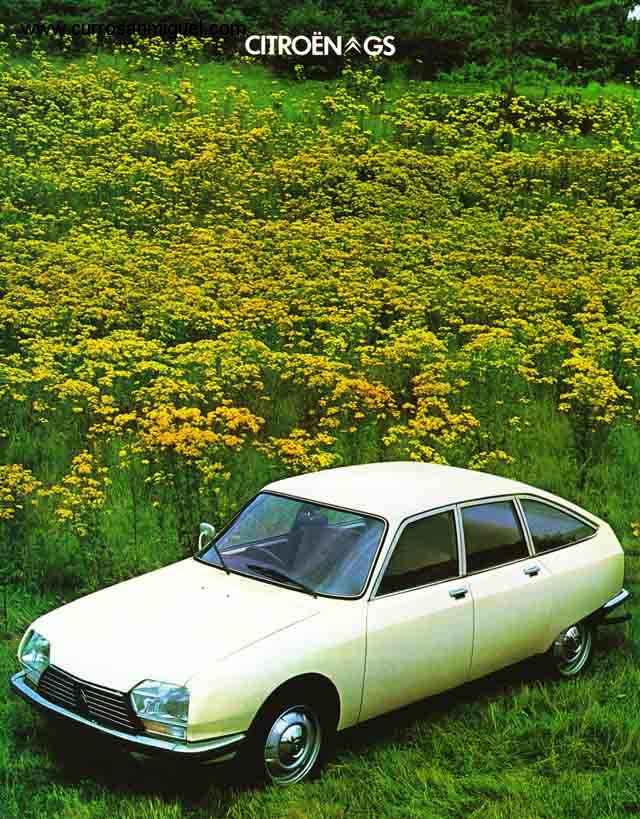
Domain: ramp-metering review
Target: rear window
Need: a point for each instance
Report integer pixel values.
(552, 528)
(492, 535)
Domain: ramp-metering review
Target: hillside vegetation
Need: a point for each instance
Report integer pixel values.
(558, 38)
(201, 291)
(210, 278)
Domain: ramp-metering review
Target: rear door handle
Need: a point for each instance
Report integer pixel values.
(458, 594)
(532, 571)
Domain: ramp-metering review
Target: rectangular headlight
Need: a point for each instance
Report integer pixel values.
(162, 707)
(34, 655)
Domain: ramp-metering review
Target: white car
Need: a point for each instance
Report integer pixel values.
(330, 598)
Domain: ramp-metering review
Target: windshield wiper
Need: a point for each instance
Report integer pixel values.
(276, 574)
(220, 558)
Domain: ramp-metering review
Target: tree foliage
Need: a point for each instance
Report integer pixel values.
(595, 35)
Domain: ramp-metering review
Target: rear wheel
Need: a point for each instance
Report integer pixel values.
(572, 650)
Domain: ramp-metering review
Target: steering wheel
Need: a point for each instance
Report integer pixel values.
(262, 553)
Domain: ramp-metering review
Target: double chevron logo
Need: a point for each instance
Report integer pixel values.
(352, 45)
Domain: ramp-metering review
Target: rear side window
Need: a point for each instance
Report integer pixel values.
(551, 528)
(426, 552)
(492, 535)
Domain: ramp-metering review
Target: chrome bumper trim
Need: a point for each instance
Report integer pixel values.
(206, 750)
(617, 600)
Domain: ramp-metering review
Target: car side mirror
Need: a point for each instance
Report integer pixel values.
(207, 534)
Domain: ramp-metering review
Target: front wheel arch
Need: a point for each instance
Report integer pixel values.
(321, 687)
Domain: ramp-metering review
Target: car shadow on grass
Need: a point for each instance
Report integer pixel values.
(400, 725)
(75, 758)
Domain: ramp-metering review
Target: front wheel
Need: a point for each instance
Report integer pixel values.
(572, 649)
(288, 741)
(292, 746)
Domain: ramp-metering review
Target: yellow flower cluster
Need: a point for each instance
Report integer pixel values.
(438, 122)
(16, 484)
(81, 493)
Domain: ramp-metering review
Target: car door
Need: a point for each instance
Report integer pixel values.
(420, 617)
(511, 589)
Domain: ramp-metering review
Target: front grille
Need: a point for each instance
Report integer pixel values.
(102, 705)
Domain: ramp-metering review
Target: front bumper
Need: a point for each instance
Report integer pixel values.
(214, 750)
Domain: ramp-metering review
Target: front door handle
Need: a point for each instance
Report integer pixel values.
(532, 571)
(458, 594)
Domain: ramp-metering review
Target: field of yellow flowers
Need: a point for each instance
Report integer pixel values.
(200, 292)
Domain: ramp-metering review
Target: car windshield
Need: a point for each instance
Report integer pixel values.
(306, 545)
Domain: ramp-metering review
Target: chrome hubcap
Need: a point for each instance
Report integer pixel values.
(292, 745)
(571, 649)
(571, 644)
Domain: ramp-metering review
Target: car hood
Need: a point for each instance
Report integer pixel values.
(167, 625)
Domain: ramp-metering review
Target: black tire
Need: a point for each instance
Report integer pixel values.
(572, 651)
(290, 737)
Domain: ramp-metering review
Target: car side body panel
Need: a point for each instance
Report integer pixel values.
(418, 644)
(513, 613)
(584, 576)
(226, 696)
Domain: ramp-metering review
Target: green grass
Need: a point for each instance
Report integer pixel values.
(260, 81)
(511, 745)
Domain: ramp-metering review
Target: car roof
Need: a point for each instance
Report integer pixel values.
(399, 489)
